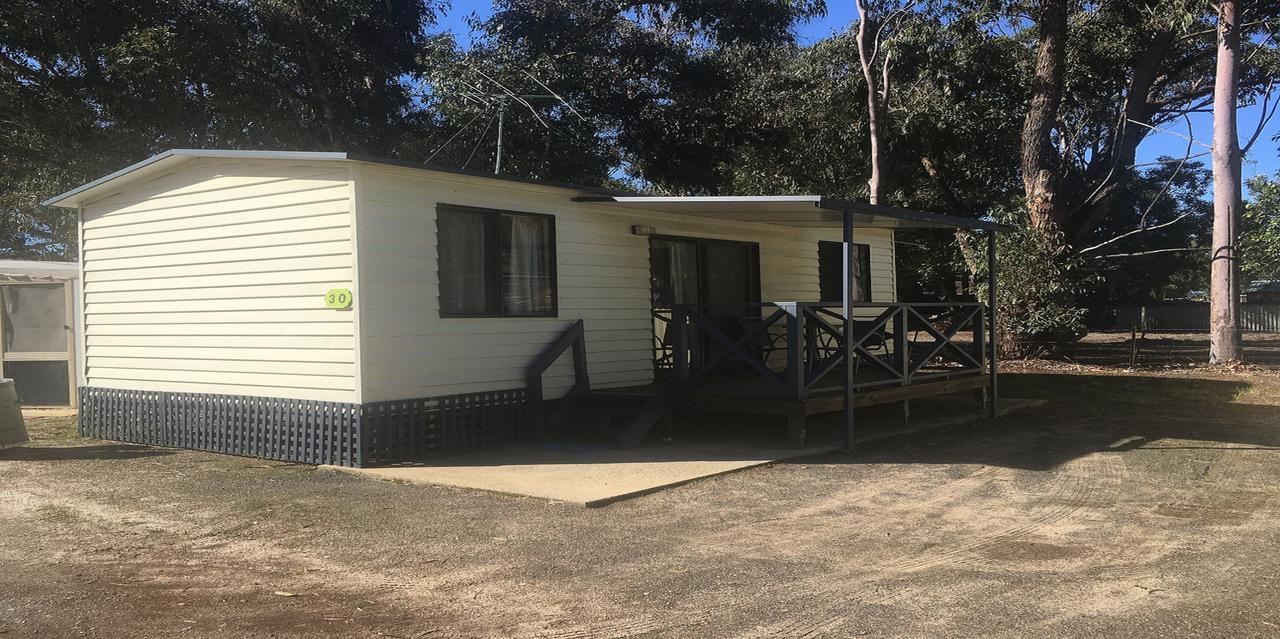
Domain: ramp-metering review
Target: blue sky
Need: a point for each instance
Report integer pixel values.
(1263, 159)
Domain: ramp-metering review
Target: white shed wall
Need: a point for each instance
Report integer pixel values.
(210, 278)
(408, 350)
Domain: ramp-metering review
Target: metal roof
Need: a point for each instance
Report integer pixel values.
(166, 160)
(169, 159)
(789, 210)
(813, 211)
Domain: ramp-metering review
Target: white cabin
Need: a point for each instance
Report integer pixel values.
(206, 275)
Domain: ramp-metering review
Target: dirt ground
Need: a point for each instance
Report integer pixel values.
(1136, 502)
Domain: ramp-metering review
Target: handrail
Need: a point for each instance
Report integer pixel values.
(825, 305)
(573, 336)
(814, 343)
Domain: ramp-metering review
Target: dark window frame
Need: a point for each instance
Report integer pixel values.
(700, 244)
(495, 248)
(865, 250)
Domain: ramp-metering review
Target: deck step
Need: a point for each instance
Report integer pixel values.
(593, 416)
(624, 418)
(655, 411)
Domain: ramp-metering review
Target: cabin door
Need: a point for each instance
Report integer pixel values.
(720, 273)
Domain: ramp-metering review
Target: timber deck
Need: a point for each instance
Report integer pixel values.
(754, 396)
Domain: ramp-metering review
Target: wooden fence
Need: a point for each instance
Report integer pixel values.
(1191, 316)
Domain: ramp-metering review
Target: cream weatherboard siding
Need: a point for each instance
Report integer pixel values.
(210, 278)
(407, 350)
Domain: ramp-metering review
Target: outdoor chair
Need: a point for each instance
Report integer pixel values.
(875, 342)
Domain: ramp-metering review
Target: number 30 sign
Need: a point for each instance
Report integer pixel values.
(339, 298)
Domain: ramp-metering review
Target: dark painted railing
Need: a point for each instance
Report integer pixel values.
(572, 337)
(792, 349)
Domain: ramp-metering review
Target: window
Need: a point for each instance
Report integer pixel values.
(831, 266)
(496, 263)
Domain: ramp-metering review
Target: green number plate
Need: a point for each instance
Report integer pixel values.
(339, 298)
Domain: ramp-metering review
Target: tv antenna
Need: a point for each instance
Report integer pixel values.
(504, 98)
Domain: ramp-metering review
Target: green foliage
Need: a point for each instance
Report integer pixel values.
(1036, 286)
(1260, 236)
(653, 82)
(668, 96)
(1167, 201)
(89, 86)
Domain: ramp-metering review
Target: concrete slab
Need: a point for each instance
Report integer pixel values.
(596, 474)
(589, 475)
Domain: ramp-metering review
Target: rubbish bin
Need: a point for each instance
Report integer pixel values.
(13, 432)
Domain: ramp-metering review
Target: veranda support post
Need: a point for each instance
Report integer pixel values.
(847, 329)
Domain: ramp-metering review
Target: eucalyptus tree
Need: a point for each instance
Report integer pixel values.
(1224, 279)
(656, 79)
(1129, 70)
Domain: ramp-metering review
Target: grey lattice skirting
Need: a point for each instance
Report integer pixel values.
(413, 430)
(305, 431)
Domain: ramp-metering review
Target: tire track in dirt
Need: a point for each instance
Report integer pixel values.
(611, 629)
(306, 571)
(1090, 481)
(1073, 487)
(792, 535)
(884, 587)
(800, 628)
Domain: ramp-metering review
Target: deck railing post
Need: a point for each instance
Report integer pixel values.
(991, 322)
(980, 349)
(979, 337)
(581, 382)
(847, 308)
(796, 387)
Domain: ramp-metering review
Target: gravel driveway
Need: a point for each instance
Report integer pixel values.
(1133, 503)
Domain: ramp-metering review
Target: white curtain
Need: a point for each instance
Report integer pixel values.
(526, 266)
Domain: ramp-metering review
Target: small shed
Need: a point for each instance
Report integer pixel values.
(39, 341)
(334, 308)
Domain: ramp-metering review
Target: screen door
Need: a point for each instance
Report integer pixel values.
(37, 343)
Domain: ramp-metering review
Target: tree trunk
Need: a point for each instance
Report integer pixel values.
(1039, 158)
(875, 185)
(1224, 284)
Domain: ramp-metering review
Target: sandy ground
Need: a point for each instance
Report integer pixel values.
(1134, 503)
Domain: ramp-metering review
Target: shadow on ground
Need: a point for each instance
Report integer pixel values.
(1164, 349)
(65, 453)
(1087, 414)
(1076, 415)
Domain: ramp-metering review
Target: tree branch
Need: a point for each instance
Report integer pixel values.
(1171, 133)
(36, 75)
(1263, 118)
(1154, 252)
(1134, 232)
(1142, 221)
(1170, 160)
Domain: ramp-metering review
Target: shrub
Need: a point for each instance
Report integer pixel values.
(1037, 283)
